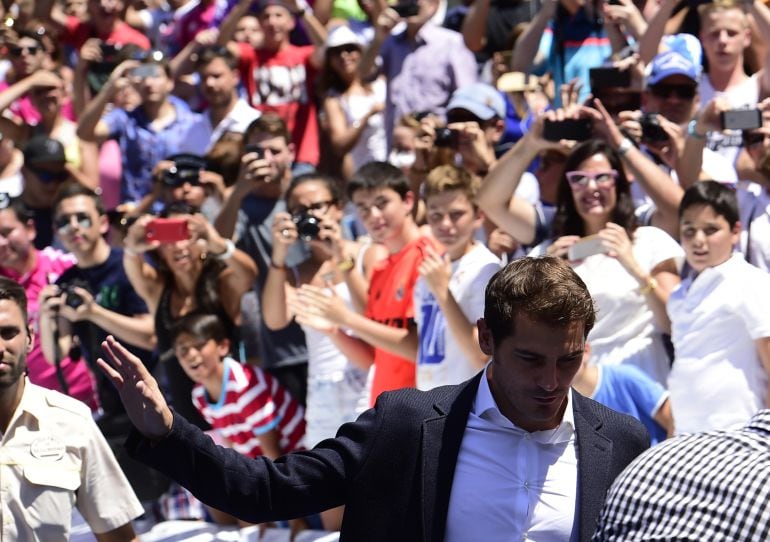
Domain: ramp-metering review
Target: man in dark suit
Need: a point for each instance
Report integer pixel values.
(512, 453)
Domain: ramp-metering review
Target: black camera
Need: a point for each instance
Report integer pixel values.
(177, 176)
(447, 138)
(72, 299)
(308, 226)
(652, 131)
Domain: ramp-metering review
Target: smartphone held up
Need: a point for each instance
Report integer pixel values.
(166, 230)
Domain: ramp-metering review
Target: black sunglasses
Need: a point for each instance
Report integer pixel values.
(684, 92)
(63, 223)
(17, 51)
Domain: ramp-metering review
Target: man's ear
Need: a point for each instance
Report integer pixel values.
(223, 347)
(30, 340)
(736, 232)
(104, 224)
(486, 342)
(410, 201)
(31, 230)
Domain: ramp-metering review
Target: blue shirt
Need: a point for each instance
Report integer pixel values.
(142, 147)
(626, 389)
(572, 46)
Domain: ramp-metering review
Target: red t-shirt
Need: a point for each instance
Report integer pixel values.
(77, 32)
(282, 81)
(390, 302)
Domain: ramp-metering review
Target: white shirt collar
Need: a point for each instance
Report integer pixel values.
(484, 406)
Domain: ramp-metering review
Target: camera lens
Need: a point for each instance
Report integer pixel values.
(308, 227)
(443, 137)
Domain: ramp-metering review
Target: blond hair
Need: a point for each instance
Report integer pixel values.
(450, 177)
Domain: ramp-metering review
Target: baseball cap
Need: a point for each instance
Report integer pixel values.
(342, 35)
(671, 63)
(41, 149)
(483, 100)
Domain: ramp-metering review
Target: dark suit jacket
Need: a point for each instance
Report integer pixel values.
(392, 468)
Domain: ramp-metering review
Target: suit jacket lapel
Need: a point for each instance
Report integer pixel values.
(441, 438)
(594, 459)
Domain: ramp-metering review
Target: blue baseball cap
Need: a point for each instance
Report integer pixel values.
(483, 100)
(671, 63)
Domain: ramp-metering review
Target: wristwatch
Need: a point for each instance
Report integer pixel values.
(347, 264)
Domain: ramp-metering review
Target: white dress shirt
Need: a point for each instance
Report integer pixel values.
(511, 484)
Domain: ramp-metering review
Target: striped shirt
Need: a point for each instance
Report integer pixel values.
(251, 403)
(703, 486)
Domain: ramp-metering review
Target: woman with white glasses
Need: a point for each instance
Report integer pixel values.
(629, 270)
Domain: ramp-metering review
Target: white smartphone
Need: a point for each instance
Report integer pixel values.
(587, 246)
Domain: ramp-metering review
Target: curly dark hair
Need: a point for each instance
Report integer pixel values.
(567, 220)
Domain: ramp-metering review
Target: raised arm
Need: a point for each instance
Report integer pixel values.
(529, 41)
(496, 197)
(649, 42)
(474, 27)
(656, 182)
(90, 125)
(274, 302)
(342, 136)
(385, 22)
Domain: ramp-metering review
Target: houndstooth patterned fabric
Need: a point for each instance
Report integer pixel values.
(711, 486)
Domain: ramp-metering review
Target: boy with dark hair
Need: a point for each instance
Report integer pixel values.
(720, 326)
(244, 404)
(449, 297)
(385, 202)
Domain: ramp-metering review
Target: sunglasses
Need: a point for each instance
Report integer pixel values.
(18, 51)
(47, 177)
(580, 179)
(347, 48)
(683, 92)
(63, 223)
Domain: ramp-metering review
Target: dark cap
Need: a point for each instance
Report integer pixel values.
(42, 149)
(188, 161)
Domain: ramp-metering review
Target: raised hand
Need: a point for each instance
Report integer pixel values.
(139, 391)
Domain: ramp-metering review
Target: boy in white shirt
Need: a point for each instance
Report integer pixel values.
(720, 325)
(449, 295)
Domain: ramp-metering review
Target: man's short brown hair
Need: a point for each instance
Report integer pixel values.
(269, 123)
(545, 290)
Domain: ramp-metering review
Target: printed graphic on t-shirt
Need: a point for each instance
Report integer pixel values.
(280, 85)
(431, 348)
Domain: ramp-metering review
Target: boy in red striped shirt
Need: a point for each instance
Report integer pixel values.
(245, 406)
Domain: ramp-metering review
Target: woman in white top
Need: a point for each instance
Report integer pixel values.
(631, 271)
(335, 383)
(352, 109)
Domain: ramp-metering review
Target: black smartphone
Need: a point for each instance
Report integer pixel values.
(741, 119)
(569, 129)
(255, 149)
(609, 78)
(407, 9)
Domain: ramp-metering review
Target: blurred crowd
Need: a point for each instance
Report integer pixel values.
(287, 208)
